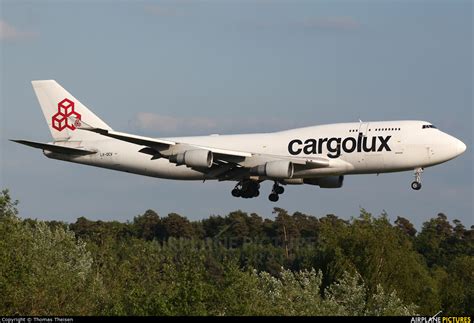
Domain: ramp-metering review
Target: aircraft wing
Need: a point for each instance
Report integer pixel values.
(226, 162)
(134, 139)
(151, 142)
(160, 143)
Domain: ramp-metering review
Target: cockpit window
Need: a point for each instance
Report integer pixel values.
(428, 126)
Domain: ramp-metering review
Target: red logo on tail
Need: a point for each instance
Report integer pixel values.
(65, 110)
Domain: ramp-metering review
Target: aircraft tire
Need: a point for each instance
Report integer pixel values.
(236, 192)
(273, 197)
(416, 185)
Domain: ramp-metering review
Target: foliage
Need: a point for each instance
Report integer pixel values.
(44, 271)
(7, 206)
(238, 264)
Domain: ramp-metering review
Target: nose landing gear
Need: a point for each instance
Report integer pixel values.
(416, 184)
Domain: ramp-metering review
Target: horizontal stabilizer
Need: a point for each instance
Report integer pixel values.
(55, 148)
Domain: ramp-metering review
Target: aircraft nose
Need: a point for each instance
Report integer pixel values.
(460, 146)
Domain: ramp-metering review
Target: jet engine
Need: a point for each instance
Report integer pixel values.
(198, 158)
(326, 182)
(274, 169)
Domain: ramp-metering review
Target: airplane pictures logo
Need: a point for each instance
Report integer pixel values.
(65, 110)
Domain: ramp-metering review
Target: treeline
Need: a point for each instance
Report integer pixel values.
(238, 264)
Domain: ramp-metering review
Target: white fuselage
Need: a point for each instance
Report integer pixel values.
(389, 146)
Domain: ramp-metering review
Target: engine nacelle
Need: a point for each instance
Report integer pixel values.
(198, 158)
(292, 181)
(274, 169)
(326, 182)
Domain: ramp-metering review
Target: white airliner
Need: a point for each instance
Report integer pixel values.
(317, 155)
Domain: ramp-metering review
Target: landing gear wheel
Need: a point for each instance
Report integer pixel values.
(416, 185)
(273, 197)
(246, 189)
(236, 192)
(279, 189)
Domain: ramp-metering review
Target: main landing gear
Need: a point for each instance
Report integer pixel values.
(249, 189)
(277, 190)
(416, 184)
(246, 189)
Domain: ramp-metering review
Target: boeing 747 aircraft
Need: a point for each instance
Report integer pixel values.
(318, 155)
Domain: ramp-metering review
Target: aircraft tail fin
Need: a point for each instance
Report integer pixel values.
(59, 106)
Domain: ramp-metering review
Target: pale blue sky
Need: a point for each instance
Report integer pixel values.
(167, 68)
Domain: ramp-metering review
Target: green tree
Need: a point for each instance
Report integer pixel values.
(301, 293)
(176, 226)
(405, 226)
(100, 231)
(147, 225)
(7, 205)
(457, 286)
(431, 242)
(44, 270)
(234, 265)
(349, 296)
(381, 253)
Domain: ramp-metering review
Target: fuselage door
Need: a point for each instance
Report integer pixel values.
(363, 128)
(374, 161)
